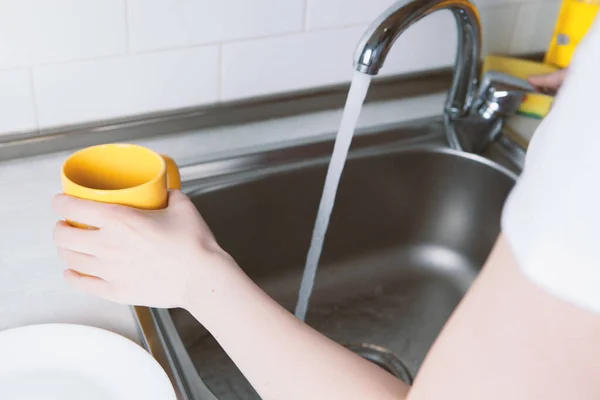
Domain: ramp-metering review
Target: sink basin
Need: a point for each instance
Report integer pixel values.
(412, 226)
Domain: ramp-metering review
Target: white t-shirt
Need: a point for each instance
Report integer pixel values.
(551, 219)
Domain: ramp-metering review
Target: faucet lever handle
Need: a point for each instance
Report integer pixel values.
(500, 95)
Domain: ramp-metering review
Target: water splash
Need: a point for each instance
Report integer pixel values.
(354, 102)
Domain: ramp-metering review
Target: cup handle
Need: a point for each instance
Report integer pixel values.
(173, 177)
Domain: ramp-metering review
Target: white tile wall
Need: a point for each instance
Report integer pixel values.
(534, 26)
(157, 24)
(281, 64)
(98, 59)
(335, 13)
(324, 57)
(498, 24)
(17, 110)
(126, 85)
(34, 32)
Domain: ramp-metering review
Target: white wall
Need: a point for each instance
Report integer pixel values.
(71, 61)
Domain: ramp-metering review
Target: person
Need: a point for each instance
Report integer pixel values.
(514, 335)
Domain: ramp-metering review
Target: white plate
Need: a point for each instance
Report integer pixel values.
(76, 362)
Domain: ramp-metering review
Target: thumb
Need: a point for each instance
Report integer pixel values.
(179, 201)
(177, 197)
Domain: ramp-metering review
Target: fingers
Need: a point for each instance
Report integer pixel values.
(549, 83)
(86, 212)
(75, 239)
(82, 263)
(88, 284)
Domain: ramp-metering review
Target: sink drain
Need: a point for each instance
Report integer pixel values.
(384, 359)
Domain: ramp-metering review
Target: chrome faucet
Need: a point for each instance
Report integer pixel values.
(473, 115)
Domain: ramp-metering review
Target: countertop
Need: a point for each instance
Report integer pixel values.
(32, 290)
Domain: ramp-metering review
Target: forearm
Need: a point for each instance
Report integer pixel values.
(282, 357)
(509, 339)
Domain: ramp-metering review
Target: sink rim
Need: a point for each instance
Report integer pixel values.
(425, 135)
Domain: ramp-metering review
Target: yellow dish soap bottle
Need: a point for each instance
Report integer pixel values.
(574, 19)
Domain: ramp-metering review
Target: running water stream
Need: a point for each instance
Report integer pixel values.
(354, 102)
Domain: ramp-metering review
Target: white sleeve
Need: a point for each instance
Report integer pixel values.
(551, 219)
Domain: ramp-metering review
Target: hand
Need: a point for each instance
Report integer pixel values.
(169, 258)
(549, 83)
(153, 258)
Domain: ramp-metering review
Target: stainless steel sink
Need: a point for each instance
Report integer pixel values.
(413, 223)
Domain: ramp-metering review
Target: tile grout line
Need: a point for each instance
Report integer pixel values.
(513, 42)
(492, 5)
(305, 18)
(514, 29)
(127, 31)
(220, 75)
(184, 47)
(34, 100)
(255, 38)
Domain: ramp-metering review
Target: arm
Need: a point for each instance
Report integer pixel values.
(169, 259)
(284, 358)
(509, 339)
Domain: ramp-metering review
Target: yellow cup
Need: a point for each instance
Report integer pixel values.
(123, 174)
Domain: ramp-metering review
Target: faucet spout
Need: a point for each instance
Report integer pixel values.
(383, 32)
